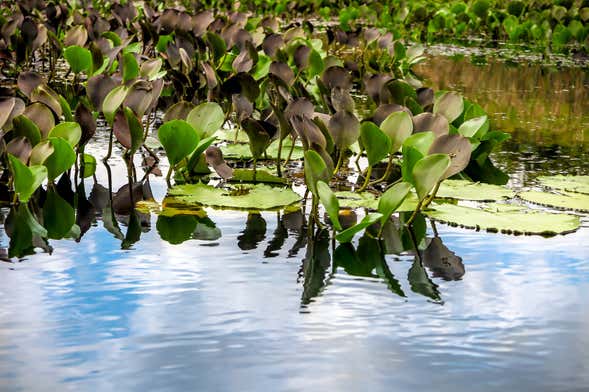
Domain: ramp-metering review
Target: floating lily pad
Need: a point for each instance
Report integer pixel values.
(242, 151)
(562, 199)
(579, 184)
(468, 190)
(259, 196)
(509, 222)
(247, 175)
(368, 200)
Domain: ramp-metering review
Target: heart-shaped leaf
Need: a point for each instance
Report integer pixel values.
(26, 179)
(329, 201)
(179, 139)
(398, 126)
(207, 118)
(62, 159)
(450, 105)
(428, 171)
(112, 101)
(348, 234)
(392, 199)
(70, 131)
(458, 149)
(79, 59)
(315, 170)
(376, 143)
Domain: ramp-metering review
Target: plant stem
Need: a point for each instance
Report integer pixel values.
(340, 161)
(387, 171)
(366, 179)
(169, 175)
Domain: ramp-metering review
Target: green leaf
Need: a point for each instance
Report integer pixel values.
(392, 199)
(562, 199)
(329, 201)
(247, 175)
(579, 184)
(398, 126)
(200, 148)
(179, 140)
(58, 216)
(348, 234)
(26, 179)
(207, 118)
(22, 126)
(89, 166)
(130, 67)
(242, 151)
(509, 222)
(176, 229)
(421, 141)
(62, 159)
(375, 142)
(471, 127)
(315, 170)
(79, 59)
(255, 197)
(135, 129)
(69, 131)
(112, 101)
(41, 152)
(428, 171)
(468, 190)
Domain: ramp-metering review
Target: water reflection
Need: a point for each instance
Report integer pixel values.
(536, 104)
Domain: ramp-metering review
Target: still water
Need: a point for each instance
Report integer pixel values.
(252, 310)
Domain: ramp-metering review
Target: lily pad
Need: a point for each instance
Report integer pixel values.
(509, 222)
(259, 196)
(348, 199)
(562, 199)
(247, 175)
(579, 184)
(468, 190)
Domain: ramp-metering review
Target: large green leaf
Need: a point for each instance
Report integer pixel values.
(26, 179)
(259, 196)
(562, 199)
(376, 143)
(315, 170)
(450, 105)
(70, 131)
(578, 184)
(510, 222)
(22, 126)
(62, 159)
(428, 171)
(179, 139)
(79, 59)
(473, 126)
(130, 67)
(468, 190)
(398, 127)
(89, 166)
(329, 201)
(207, 118)
(392, 199)
(348, 234)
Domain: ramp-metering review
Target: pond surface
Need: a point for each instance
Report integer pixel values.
(249, 310)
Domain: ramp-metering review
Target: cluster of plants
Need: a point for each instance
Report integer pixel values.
(153, 78)
(556, 25)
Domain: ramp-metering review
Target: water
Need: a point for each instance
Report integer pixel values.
(252, 310)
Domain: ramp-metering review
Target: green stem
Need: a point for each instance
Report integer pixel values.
(387, 171)
(366, 179)
(430, 198)
(169, 175)
(340, 161)
(278, 156)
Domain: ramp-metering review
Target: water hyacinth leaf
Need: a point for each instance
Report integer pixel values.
(420, 141)
(7, 107)
(130, 67)
(22, 126)
(195, 158)
(27, 82)
(62, 159)
(41, 152)
(436, 123)
(471, 127)
(562, 199)
(149, 69)
(376, 143)
(65, 108)
(207, 118)
(112, 101)
(69, 131)
(256, 197)
(20, 147)
(348, 234)
(344, 128)
(468, 190)
(178, 111)
(398, 126)
(214, 157)
(259, 139)
(315, 170)
(458, 149)
(329, 201)
(428, 171)
(58, 216)
(178, 138)
(392, 199)
(46, 95)
(579, 184)
(26, 179)
(42, 116)
(77, 35)
(509, 222)
(97, 88)
(87, 122)
(89, 166)
(79, 59)
(450, 105)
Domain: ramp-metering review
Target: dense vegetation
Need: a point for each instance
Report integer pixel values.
(291, 87)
